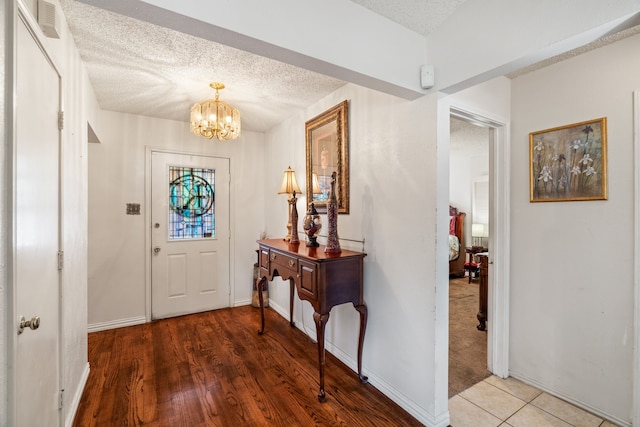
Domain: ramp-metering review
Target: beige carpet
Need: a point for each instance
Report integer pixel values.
(467, 345)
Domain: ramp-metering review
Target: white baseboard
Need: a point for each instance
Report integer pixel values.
(617, 421)
(119, 323)
(77, 396)
(403, 401)
(139, 320)
(281, 311)
(384, 387)
(242, 302)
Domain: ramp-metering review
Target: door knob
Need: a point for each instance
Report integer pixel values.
(156, 250)
(32, 324)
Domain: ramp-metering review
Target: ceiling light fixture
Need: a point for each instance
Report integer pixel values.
(215, 118)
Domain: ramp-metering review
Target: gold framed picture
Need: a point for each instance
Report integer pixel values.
(569, 163)
(327, 149)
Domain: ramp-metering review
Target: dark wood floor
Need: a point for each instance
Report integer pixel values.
(212, 369)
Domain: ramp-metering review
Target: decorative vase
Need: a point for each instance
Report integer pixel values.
(312, 225)
(333, 244)
(255, 300)
(294, 220)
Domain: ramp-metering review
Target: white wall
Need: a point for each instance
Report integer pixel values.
(572, 262)
(75, 90)
(117, 272)
(393, 207)
(5, 159)
(460, 183)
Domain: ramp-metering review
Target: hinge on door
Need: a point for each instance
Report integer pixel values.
(60, 260)
(60, 120)
(61, 400)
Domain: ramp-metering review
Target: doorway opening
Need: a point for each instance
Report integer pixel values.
(469, 194)
(478, 168)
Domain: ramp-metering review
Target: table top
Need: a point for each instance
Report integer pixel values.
(476, 249)
(310, 252)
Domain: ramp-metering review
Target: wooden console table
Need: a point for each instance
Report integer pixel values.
(483, 291)
(325, 280)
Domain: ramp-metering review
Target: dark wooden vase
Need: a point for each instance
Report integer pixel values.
(294, 219)
(333, 244)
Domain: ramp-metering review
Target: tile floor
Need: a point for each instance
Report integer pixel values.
(509, 402)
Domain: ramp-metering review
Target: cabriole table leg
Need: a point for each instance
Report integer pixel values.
(362, 309)
(261, 299)
(321, 322)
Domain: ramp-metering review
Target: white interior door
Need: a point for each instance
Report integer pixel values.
(37, 234)
(189, 234)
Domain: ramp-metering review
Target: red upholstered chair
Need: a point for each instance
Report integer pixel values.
(472, 268)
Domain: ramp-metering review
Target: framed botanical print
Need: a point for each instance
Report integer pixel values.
(569, 163)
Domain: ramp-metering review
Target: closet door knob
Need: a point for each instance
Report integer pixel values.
(32, 324)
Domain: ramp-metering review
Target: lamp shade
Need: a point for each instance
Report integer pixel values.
(315, 184)
(477, 230)
(289, 183)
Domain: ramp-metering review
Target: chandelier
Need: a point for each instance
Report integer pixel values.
(215, 118)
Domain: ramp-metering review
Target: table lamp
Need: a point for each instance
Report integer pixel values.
(479, 232)
(476, 231)
(290, 186)
(315, 186)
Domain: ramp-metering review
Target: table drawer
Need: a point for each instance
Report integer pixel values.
(264, 258)
(308, 281)
(284, 260)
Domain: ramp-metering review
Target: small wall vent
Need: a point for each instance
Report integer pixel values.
(48, 19)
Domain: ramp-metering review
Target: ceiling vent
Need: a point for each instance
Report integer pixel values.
(48, 19)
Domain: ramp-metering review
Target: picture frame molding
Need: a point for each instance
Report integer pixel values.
(338, 137)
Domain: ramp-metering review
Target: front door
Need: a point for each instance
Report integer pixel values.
(189, 234)
(37, 230)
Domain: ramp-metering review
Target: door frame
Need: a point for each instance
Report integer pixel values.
(148, 223)
(498, 300)
(635, 409)
(19, 11)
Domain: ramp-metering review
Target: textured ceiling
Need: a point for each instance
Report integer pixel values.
(468, 139)
(140, 68)
(421, 16)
